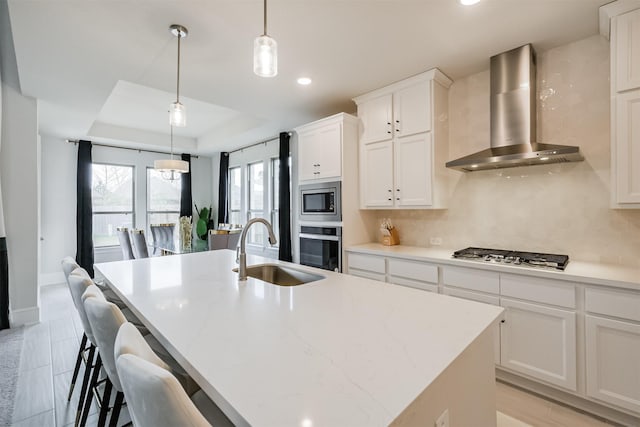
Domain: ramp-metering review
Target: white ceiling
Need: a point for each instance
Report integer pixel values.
(105, 70)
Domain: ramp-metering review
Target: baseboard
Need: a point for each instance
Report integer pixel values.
(24, 316)
(580, 403)
(47, 279)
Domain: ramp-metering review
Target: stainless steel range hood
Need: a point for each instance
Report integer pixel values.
(513, 119)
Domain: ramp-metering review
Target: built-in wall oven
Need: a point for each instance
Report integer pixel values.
(321, 247)
(320, 202)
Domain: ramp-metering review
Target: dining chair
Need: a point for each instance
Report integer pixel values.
(234, 238)
(155, 397)
(139, 244)
(217, 241)
(125, 242)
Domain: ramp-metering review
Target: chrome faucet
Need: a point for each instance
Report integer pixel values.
(241, 254)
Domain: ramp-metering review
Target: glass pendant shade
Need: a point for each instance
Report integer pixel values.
(170, 169)
(177, 114)
(265, 56)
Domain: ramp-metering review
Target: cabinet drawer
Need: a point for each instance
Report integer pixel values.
(469, 278)
(473, 296)
(413, 284)
(413, 270)
(367, 262)
(621, 304)
(367, 274)
(545, 291)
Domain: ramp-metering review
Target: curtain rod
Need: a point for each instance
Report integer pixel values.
(75, 141)
(257, 143)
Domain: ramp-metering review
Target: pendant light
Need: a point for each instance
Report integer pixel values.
(265, 52)
(177, 113)
(171, 168)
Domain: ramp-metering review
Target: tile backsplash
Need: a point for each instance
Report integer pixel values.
(558, 208)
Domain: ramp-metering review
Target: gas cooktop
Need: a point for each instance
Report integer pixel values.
(502, 256)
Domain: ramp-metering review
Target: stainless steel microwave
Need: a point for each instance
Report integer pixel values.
(320, 202)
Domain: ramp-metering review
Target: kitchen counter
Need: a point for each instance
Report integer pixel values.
(576, 271)
(339, 351)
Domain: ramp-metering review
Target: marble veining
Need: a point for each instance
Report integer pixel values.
(339, 351)
(559, 208)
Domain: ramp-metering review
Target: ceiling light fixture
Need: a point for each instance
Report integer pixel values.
(469, 2)
(304, 81)
(177, 112)
(171, 168)
(265, 52)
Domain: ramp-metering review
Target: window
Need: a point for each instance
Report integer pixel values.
(256, 201)
(235, 196)
(112, 198)
(163, 200)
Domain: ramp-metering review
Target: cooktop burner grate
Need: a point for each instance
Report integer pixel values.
(531, 259)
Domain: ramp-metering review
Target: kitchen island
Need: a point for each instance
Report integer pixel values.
(340, 351)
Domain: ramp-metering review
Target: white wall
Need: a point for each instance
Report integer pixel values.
(561, 208)
(59, 197)
(18, 168)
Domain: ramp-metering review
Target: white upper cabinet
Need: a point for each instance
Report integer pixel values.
(627, 39)
(625, 105)
(412, 109)
(320, 146)
(376, 117)
(403, 149)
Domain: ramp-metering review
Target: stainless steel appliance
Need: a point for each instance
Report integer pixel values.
(321, 247)
(513, 119)
(525, 259)
(320, 202)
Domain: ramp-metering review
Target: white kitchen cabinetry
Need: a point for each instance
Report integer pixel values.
(540, 342)
(613, 347)
(625, 104)
(413, 274)
(320, 146)
(404, 144)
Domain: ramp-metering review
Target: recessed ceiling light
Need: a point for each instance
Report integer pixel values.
(469, 2)
(544, 159)
(304, 81)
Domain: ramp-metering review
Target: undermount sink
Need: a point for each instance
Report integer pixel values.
(280, 275)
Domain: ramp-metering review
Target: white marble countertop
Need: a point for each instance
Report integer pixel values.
(576, 271)
(342, 351)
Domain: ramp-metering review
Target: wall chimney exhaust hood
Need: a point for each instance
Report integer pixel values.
(513, 119)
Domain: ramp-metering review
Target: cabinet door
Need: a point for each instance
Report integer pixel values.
(376, 175)
(540, 342)
(376, 119)
(329, 150)
(627, 39)
(627, 151)
(412, 109)
(308, 156)
(413, 170)
(613, 361)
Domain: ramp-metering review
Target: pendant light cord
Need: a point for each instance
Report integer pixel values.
(178, 73)
(265, 18)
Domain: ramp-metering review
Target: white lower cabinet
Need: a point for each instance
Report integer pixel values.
(367, 266)
(613, 347)
(413, 274)
(539, 341)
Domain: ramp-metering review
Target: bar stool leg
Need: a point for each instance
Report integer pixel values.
(116, 409)
(77, 368)
(85, 383)
(104, 409)
(90, 393)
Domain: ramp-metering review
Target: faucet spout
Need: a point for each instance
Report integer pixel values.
(242, 256)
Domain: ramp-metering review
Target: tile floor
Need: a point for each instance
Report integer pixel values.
(48, 357)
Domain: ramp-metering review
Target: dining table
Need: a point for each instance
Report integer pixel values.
(338, 350)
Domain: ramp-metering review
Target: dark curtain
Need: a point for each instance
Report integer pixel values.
(84, 211)
(284, 240)
(4, 285)
(186, 202)
(223, 197)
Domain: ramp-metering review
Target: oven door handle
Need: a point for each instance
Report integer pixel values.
(319, 237)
